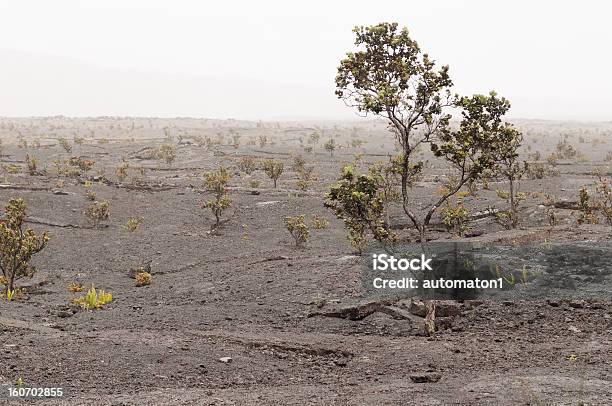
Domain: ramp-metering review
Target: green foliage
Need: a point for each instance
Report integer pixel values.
(273, 169)
(455, 218)
(17, 246)
(604, 189)
(216, 183)
(93, 299)
(356, 200)
(297, 228)
(389, 76)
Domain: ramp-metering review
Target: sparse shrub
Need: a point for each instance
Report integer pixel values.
(355, 199)
(122, 171)
(216, 183)
(167, 153)
(298, 163)
(17, 246)
(75, 287)
(305, 177)
(235, 140)
(551, 214)
(254, 183)
(93, 299)
(263, 140)
(319, 223)
(142, 278)
(31, 165)
(83, 164)
(97, 212)
(63, 142)
(273, 169)
(247, 164)
(587, 214)
(608, 157)
(297, 228)
(604, 190)
(133, 224)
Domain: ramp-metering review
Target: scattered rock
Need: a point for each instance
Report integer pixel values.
(425, 377)
(574, 329)
(225, 360)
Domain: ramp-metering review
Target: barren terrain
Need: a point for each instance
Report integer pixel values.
(247, 293)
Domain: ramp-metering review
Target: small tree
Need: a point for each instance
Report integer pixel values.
(273, 169)
(314, 139)
(512, 170)
(356, 200)
(390, 77)
(216, 183)
(330, 146)
(17, 246)
(297, 228)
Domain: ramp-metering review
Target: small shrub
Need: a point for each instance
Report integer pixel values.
(216, 183)
(17, 246)
(263, 140)
(587, 214)
(247, 164)
(122, 171)
(97, 213)
(31, 165)
(319, 223)
(142, 278)
(93, 299)
(133, 224)
(75, 287)
(297, 228)
(63, 142)
(166, 153)
(254, 184)
(455, 218)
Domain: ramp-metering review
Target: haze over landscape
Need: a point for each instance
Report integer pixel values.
(278, 60)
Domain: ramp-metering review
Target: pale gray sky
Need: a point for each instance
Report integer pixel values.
(277, 59)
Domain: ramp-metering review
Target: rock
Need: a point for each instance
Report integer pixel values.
(473, 233)
(553, 302)
(508, 303)
(577, 304)
(425, 377)
(225, 360)
(60, 192)
(574, 329)
(472, 304)
(267, 203)
(255, 192)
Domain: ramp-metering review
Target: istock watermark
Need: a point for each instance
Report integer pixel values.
(459, 270)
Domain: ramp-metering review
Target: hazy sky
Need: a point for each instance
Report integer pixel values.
(277, 59)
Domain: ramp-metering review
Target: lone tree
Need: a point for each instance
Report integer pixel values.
(330, 146)
(390, 77)
(274, 169)
(17, 246)
(216, 183)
